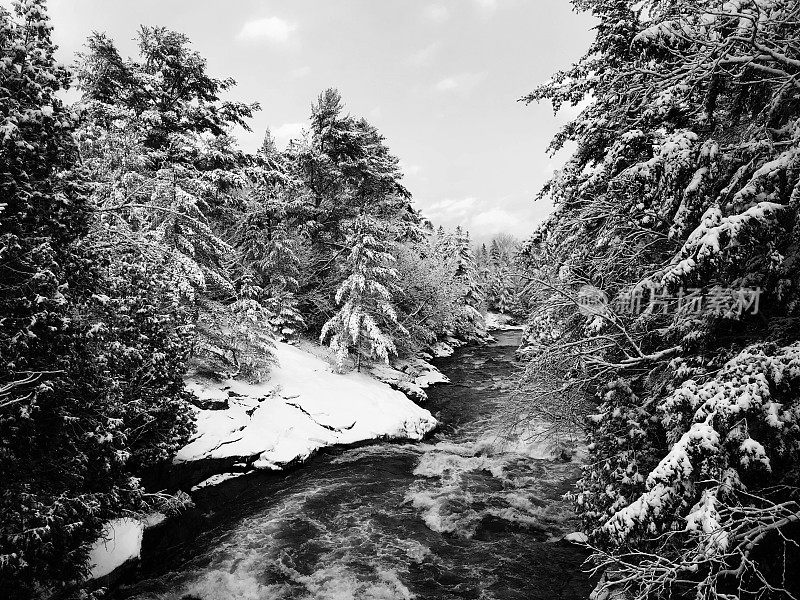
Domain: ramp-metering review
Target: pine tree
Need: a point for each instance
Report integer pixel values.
(466, 273)
(162, 120)
(346, 168)
(269, 256)
(365, 298)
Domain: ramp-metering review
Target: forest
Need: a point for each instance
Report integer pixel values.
(141, 246)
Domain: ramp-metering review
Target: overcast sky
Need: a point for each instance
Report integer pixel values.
(440, 79)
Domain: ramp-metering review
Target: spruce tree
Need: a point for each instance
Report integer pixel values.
(684, 182)
(366, 319)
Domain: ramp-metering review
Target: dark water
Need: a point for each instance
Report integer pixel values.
(470, 513)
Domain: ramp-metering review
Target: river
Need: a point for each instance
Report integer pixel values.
(473, 512)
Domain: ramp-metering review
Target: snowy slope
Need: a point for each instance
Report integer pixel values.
(303, 407)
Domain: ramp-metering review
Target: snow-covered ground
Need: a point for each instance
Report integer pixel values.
(303, 407)
(120, 542)
(497, 321)
(411, 376)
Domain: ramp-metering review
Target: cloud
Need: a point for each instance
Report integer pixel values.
(494, 220)
(438, 13)
(463, 83)
(272, 29)
(288, 131)
(449, 210)
(409, 169)
(484, 219)
(424, 56)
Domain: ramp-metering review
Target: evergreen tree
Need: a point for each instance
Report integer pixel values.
(171, 180)
(685, 180)
(365, 297)
(156, 141)
(346, 168)
(92, 344)
(269, 257)
(466, 273)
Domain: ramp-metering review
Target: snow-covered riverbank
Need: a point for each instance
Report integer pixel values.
(302, 408)
(501, 322)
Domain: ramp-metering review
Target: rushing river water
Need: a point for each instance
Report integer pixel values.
(470, 513)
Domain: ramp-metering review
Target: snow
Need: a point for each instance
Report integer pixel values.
(411, 376)
(716, 233)
(303, 407)
(576, 537)
(497, 321)
(120, 542)
(442, 350)
(216, 480)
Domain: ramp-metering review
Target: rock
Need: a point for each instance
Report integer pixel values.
(441, 350)
(565, 454)
(413, 391)
(576, 537)
(212, 403)
(209, 397)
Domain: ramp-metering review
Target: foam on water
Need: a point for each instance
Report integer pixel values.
(482, 475)
(286, 552)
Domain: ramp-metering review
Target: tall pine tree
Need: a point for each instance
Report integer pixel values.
(362, 325)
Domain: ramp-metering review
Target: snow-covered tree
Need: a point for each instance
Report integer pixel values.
(684, 181)
(270, 256)
(366, 320)
(170, 179)
(235, 339)
(155, 138)
(346, 168)
(431, 298)
(470, 315)
(93, 341)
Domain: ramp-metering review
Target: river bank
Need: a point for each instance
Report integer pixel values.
(303, 408)
(468, 513)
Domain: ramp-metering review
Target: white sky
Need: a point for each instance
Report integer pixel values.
(440, 79)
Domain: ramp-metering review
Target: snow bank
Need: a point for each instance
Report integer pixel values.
(411, 376)
(120, 542)
(500, 322)
(577, 537)
(303, 407)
